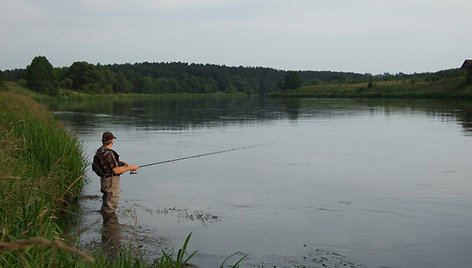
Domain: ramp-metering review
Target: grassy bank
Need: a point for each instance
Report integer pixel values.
(41, 171)
(67, 94)
(450, 88)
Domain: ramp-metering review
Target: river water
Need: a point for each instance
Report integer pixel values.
(342, 183)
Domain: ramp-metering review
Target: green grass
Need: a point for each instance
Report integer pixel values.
(453, 88)
(41, 171)
(17, 88)
(68, 94)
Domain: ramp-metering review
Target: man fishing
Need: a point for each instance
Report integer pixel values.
(107, 165)
(111, 167)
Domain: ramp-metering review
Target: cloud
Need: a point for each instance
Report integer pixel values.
(302, 34)
(19, 11)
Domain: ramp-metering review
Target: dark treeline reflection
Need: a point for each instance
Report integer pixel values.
(163, 112)
(183, 112)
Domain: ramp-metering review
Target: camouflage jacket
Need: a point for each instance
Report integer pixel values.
(108, 160)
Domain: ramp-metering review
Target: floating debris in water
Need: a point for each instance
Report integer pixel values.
(182, 213)
(192, 215)
(326, 258)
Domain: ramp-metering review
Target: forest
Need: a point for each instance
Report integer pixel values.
(180, 77)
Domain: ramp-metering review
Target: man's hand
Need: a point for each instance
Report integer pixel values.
(121, 170)
(132, 167)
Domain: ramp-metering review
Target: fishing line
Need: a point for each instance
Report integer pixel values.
(201, 155)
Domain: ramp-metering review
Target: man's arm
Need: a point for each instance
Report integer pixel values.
(121, 170)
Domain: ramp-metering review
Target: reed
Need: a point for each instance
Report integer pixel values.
(41, 171)
(167, 259)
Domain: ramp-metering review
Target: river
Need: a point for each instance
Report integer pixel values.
(339, 183)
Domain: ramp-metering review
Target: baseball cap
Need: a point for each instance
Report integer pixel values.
(108, 136)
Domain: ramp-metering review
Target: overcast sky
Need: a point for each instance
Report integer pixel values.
(362, 36)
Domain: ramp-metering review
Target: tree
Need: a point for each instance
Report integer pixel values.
(148, 84)
(2, 86)
(84, 75)
(121, 85)
(292, 80)
(370, 84)
(40, 76)
(468, 69)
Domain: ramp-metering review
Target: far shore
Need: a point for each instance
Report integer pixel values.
(449, 88)
(445, 88)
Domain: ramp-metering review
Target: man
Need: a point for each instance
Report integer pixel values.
(112, 167)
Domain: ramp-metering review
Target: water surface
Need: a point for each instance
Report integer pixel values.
(362, 183)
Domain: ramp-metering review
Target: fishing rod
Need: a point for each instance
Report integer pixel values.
(200, 155)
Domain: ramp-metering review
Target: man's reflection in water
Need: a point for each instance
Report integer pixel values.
(111, 235)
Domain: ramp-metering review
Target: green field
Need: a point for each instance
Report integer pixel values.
(453, 88)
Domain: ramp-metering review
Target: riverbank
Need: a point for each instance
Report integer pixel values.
(41, 173)
(447, 88)
(66, 94)
(455, 87)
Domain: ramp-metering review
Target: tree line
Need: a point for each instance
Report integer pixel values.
(174, 77)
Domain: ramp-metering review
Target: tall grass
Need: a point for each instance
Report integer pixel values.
(41, 170)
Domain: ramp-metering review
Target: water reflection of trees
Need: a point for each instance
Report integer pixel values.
(291, 107)
(446, 110)
(182, 112)
(171, 112)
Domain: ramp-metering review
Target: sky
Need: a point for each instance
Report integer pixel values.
(361, 36)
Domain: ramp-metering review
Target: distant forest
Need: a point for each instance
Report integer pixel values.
(179, 77)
